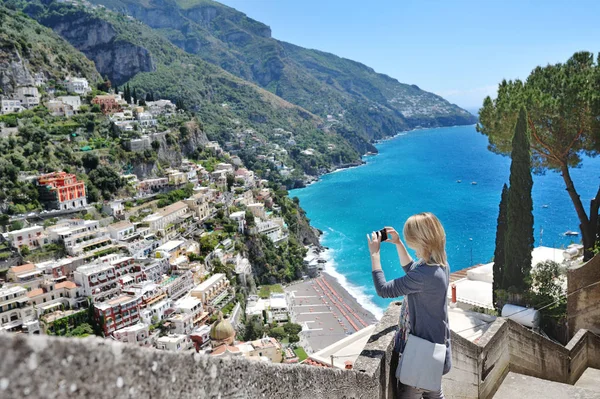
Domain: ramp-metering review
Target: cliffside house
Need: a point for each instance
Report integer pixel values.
(61, 190)
(77, 85)
(29, 96)
(10, 105)
(108, 104)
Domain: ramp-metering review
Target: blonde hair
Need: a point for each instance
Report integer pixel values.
(425, 234)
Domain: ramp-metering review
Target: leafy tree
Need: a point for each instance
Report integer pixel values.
(499, 254)
(562, 106)
(277, 332)
(254, 328)
(106, 179)
(294, 338)
(90, 161)
(292, 328)
(16, 225)
(25, 251)
(519, 211)
(96, 108)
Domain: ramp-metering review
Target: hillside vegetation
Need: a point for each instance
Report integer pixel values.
(128, 50)
(27, 48)
(373, 104)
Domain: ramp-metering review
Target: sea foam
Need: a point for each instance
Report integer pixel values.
(357, 292)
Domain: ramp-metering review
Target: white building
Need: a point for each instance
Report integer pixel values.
(174, 343)
(8, 106)
(146, 119)
(121, 230)
(114, 208)
(14, 308)
(276, 307)
(80, 236)
(98, 281)
(156, 312)
(181, 323)
(138, 334)
(78, 86)
(33, 237)
(177, 286)
(240, 218)
(73, 101)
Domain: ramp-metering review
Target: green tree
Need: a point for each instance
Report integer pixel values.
(499, 254)
(16, 225)
(127, 94)
(277, 332)
(562, 106)
(294, 338)
(25, 251)
(292, 328)
(90, 161)
(230, 181)
(519, 212)
(134, 96)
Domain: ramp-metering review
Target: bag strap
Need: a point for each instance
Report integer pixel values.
(447, 329)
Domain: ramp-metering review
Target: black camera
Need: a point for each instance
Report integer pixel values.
(383, 235)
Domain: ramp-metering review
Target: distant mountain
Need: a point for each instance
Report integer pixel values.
(373, 104)
(127, 50)
(28, 48)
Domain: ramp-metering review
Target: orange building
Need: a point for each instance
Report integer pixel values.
(108, 104)
(61, 190)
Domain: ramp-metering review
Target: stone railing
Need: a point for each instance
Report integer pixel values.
(49, 367)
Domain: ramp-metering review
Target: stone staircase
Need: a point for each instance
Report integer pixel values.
(521, 386)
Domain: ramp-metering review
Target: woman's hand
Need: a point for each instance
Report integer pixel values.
(393, 235)
(374, 243)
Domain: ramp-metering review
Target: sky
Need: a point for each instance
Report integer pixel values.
(458, 49)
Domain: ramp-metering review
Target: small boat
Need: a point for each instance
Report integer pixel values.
(459, 181)
(571, 233)
(544, 206)
(474, 183)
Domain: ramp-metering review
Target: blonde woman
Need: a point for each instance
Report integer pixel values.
(424, 287)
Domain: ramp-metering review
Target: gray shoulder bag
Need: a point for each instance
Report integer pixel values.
(422, 362)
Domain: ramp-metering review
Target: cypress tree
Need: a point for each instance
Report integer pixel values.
(116, 89)
(135, 98)
(519, 233)
(499, 255)
(127, 94)
(148, 97)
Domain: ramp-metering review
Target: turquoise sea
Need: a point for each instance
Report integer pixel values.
(418, 171)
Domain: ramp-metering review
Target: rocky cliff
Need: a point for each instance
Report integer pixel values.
(97, 39)
(28, 48)
(372, 104)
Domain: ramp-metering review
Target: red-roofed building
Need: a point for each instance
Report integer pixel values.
(61, 190)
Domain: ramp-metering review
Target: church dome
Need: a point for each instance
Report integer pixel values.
(222, 331)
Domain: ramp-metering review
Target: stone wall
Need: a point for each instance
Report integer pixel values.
(50, 367)
(582, 304)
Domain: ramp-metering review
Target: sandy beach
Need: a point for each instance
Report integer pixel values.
(327, 312)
